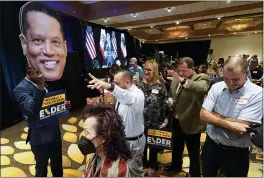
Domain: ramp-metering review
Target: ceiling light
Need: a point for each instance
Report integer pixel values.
(134, 15)
(150, 30)
(209, 35)
(218, 18)
(169, 9)
(105, 20)
(143, 41)
(204, 24)
(156, 40)
(178, 22)
(234, 33)
(186, 38)
(228, 1)
(256, 32)
(151, 26)
(129, 29)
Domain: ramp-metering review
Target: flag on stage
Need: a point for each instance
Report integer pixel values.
(102, 41)
(115, 55)
(123, 45)
(89, 42)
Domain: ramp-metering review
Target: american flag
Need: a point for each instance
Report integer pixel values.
(115, 55)
(89, 42)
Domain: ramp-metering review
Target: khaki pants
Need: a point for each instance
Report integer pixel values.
(137, 151)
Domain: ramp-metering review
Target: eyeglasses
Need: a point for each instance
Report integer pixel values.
(146, 69)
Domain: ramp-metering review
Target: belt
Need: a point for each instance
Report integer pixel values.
(224, 147)
(134, 138)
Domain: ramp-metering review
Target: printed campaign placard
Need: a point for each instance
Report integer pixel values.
(159, 138)
(53, 104)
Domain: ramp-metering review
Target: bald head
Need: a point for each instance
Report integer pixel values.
(123, 79)
(236, 63)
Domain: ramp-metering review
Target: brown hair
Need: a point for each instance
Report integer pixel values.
(110, 126)
(189, 61)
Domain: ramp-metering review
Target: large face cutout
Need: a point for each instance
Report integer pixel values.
(44, 46)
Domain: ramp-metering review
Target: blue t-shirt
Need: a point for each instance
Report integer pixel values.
(138, 69)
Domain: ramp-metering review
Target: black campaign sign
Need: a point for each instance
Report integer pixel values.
(159, 138)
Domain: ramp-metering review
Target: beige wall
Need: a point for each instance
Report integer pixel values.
(232, 45)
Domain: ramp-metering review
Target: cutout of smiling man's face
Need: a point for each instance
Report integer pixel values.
(44, 45)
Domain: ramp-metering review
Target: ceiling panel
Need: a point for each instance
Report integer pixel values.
(160, 12)
(184, 9)
(224, 4)
(239, 3)
(210, 5)
(152, 31)
(231, 14)
(148, 14)
(129, 17)
(196, 7)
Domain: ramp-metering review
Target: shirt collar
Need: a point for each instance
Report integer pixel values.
(33, 83)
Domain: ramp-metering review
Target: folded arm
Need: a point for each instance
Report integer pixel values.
(29, 105)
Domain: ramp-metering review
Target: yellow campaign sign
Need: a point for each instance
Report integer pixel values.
(53, 100)
(160, 133)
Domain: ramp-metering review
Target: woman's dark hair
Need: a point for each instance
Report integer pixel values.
(110, 126)
(204, 69)
(114, 69)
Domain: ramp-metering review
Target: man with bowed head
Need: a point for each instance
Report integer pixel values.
(130, 106)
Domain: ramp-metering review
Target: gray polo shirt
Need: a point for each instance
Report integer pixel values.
(244, 104)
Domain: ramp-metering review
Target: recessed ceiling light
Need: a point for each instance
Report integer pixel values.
(134, 15)
(228, 1)
(129, 29)
(234, 33)
(256, 32)
(150, 30)
(204, 24)
(218, 18)
(143, 41)
(156, 40)
(105, 20)
(186, 38)
(151, 26)
(169, 9)
(178, 22)
(209, 35)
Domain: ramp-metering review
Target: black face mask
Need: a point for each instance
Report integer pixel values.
(86, 146)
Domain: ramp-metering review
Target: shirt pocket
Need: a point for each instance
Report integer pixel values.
(237, 110)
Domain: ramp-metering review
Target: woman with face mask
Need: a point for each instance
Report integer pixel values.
(104, 137)
(154, 110)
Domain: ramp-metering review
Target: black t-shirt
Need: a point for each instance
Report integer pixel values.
(257, 73)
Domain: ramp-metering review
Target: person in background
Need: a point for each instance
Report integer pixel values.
(256, 71)
(163, 75)
(230, 108)
(188, 90)
(44, 45)
(135, 68)
(104, 138)
(201, 69)
(154, 109)
(112, 71)
(130, 106)
(221, 63)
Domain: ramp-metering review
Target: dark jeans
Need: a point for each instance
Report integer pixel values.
(193, 147)
(43, 153)
(153, 156)
(233, 161)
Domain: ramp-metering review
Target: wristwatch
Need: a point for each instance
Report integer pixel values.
(183, 82)
(112, 87)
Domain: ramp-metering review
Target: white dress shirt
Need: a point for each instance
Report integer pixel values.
(131, 109)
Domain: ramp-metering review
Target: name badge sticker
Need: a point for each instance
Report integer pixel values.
(155, 91)
(255, 72)
(241, 101)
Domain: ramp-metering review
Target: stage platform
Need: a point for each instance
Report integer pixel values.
(18, 161)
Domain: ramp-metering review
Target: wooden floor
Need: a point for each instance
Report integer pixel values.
(18, 161)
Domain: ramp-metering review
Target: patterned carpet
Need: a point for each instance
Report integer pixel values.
(18, 161)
